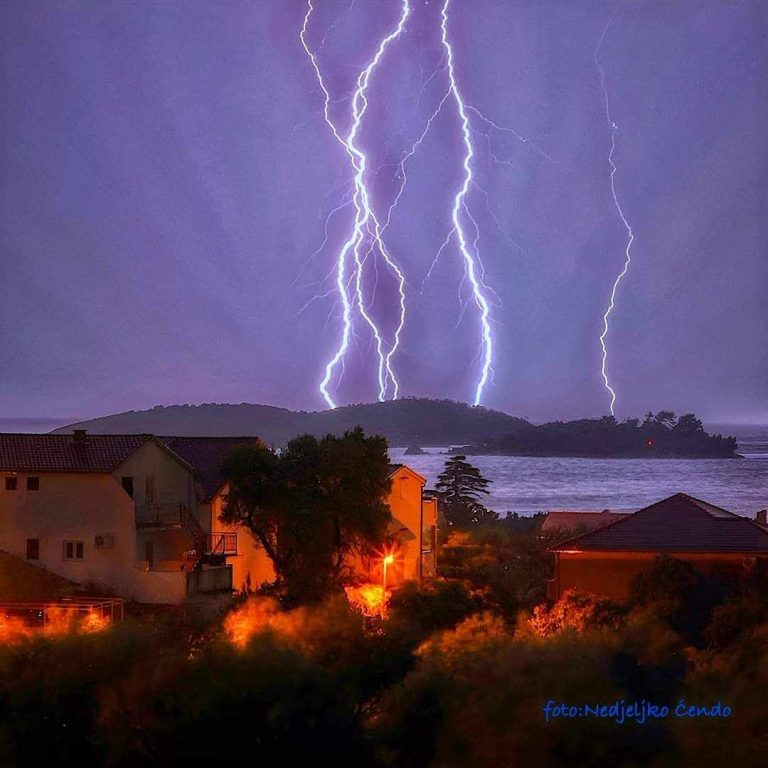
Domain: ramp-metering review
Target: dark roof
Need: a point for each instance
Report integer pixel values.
(680, 523)
(572, 521)
(393, 468)
(63, 453)
(206, 456)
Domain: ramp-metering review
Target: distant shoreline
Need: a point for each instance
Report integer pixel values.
(593, 456)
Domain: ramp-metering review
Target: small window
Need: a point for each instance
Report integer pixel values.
(128, 486)
(33, 549)
(33, 483)
(11, 483)
(73, 550)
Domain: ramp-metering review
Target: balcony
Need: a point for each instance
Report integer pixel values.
(219, 543)
(155, 515)
(210, 581)
(170, 584)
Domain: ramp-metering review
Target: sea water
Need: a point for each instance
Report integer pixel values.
(527, 485)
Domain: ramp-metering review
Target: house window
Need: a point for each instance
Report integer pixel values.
(11, 483)
(128, 486)
(33, 549)
(33, 483)
(73, 550)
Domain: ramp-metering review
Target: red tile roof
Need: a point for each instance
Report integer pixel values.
(64, 453)
(680, 523)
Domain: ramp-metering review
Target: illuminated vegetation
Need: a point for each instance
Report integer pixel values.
(456, 674)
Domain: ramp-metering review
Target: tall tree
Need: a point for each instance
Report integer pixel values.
(311, 505)
(461, 487)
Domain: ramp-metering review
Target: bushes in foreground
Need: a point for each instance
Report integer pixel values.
(446, 680)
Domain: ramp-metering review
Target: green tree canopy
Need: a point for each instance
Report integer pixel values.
(311, 505)
(461, 487)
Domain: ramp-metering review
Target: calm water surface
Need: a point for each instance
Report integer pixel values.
(527, 485)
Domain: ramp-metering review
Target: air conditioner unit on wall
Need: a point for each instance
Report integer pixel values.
(104, 540)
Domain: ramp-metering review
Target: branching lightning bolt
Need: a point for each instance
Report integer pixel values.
(459, 205)
(365, 221)
(630, 235)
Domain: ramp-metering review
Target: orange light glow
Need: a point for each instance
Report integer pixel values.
(12, 630)
(58, 621)
(387, 560)
(369, 599)
(263, 614)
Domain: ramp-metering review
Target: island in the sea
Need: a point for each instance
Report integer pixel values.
(660, 435)
(417, 422)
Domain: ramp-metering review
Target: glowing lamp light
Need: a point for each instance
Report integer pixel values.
(387, 560)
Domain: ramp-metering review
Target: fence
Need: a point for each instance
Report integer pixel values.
(39, 614)
(148, 515)
(221, 543)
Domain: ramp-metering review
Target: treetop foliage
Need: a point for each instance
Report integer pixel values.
(461, 486)
(311, 505)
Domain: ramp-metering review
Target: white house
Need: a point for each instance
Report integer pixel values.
(118, 512)
(139, 516)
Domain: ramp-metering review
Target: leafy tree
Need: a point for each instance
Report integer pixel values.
(461, 487)
(688, 424)
(674, 590)
(311, 505)
(665, 419)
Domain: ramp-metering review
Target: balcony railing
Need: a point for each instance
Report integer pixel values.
(160, 514)
(39, 614)
(220, 543)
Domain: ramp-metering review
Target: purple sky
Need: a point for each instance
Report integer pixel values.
(166, 175)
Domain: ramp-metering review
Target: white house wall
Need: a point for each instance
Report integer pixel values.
(74, 507)
(174, 483)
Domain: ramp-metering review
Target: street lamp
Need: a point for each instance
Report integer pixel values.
(388, 560)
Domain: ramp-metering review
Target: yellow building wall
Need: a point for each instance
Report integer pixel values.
(406, 504)
(251, 566)
(429, 541)
(610, 574)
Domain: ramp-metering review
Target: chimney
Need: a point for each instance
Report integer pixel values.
(78, 435)
(760, 517)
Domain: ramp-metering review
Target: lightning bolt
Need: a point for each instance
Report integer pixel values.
(630, 235)
(459, 204)
(365, 224)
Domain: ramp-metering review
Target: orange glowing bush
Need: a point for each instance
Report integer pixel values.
(316, 629)
(12, 630)
(371, 600)
(254, 616)
(573, 611)
(59, 621)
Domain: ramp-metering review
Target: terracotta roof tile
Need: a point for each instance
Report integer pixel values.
(64, 453)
